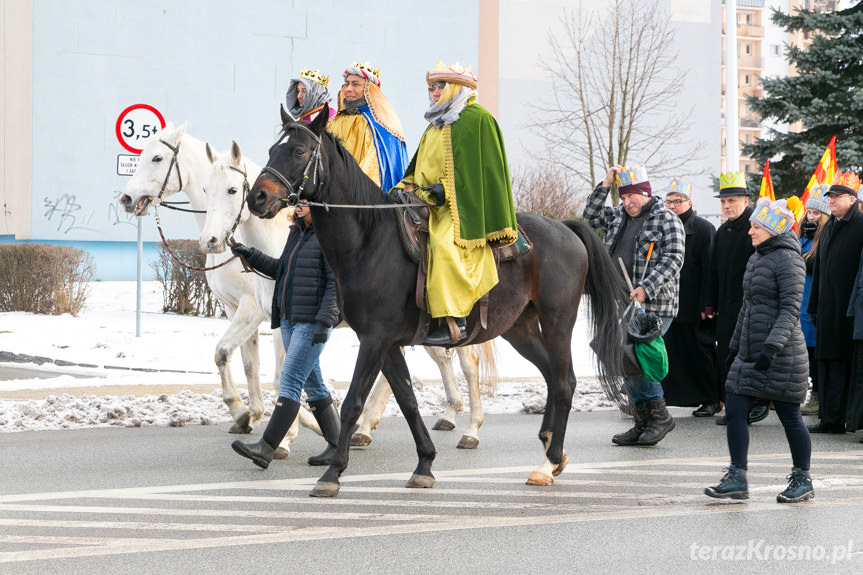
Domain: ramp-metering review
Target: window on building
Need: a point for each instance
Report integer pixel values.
(747, 49)
(747, 138)
(746, 80)
(748, 19)
(775, 50)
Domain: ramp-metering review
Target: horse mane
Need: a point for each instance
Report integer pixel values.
(358, 189)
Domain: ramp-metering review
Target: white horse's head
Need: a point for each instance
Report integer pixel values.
(158, 174)
(226, 186)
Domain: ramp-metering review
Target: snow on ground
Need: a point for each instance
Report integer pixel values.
(175, 354)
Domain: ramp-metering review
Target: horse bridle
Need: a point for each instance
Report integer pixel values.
(293, 196)
(174, 162)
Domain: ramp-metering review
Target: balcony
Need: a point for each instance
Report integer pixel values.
(749, 3)
(750, 31)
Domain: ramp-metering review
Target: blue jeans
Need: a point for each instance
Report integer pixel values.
(301, 368)
(641, 389)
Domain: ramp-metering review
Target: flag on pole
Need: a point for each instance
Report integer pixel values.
(767, 184)
(824, 174)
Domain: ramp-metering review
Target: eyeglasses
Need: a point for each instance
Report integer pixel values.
(434, 85)
(674, 202)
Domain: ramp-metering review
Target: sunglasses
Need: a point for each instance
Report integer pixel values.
(434, 85)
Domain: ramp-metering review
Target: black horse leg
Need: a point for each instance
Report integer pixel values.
(396, 371)
(366, 370)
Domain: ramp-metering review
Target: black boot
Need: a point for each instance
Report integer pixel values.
(659, 423)
(732, 486)
(261, 453)
(328, 418)
(442, 335)
(630, 437)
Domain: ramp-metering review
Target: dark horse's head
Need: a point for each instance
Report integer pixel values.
(295, 169)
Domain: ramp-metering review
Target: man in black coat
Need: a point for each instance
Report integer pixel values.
(731, 250)
(691, 378)
(832, 282)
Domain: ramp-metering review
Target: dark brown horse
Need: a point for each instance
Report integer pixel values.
(534, 305)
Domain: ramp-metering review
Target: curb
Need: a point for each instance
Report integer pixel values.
(9, 357)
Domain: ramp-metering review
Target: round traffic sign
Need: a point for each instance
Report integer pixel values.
(137, 122)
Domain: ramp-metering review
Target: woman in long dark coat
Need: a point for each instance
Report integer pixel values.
(768, 352)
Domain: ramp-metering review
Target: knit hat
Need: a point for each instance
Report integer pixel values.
(845, 183)
(775, 217)
(818, 199)
(680, 186)
(732, 184)
(633, 181)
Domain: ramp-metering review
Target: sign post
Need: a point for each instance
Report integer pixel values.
(134, 125)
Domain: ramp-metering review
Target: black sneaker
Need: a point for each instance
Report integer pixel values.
(822, 427)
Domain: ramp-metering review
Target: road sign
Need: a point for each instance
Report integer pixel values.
(135, 124)
(126, 164)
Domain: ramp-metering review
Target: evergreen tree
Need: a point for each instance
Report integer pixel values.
(826, 97)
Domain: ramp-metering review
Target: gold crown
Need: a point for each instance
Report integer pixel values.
(452, 73)
(315, 76)
(368, 68)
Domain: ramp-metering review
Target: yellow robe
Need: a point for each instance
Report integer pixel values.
(357, 138)
(457, 277)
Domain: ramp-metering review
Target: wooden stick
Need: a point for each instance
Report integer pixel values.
(626, 273)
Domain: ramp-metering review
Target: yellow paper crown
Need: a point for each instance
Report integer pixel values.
(680, 186)
(848, 180)
(315, 76)
(366, 67)
(631, 176)
(731, 180)
(455, 73)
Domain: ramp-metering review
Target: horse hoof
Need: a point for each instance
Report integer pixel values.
(558, 469)
(281, 453)
(541, 479)
(443, 425)
(360, 440)
(424, 481)
(241, 425)
(325, 489)
(467, 442)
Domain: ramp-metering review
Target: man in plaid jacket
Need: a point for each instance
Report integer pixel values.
(651, 242)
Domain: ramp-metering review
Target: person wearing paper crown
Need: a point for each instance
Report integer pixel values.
(731, 250)
(639, 226)
(307, 95)
(809, 232)
(460, 169)
(768, 351)
(368, 126)
(833, 280)
(691, 379)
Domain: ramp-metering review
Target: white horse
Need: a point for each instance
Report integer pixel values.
(172, 162)
(226, 209)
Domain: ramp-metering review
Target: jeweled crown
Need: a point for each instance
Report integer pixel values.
(315, 76)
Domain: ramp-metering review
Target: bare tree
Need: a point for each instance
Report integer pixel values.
(614, 93)
(546, 191)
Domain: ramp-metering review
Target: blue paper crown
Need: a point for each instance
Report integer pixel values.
(631, 176)
(680, 186)
(774, 216)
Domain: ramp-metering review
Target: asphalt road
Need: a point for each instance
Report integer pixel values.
(178, 500)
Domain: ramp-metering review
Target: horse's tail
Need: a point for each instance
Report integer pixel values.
(608, 296)
(488, 375)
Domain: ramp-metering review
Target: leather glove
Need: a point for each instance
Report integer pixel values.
(239, 249)
(768, 353)
(732, 353)
(320, 333)
(437, 192)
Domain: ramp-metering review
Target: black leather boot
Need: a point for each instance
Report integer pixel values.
(659, 423)
(442, 336)
(261, 452)
(630, 437)
(327, 415)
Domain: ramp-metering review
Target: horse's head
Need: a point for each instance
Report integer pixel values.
(158, 174)
(226, 186)
(295, 171)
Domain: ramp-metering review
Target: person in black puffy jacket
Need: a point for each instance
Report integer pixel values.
(305, 308)
(767, 354)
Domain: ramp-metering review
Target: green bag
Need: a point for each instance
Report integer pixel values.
(653, 358)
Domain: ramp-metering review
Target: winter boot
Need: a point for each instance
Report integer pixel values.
(799, 487)
(261, 453)
(811, 405)
(732, 486)
(631, 436)
(328, 418)
(659, 423)
(443, 336)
